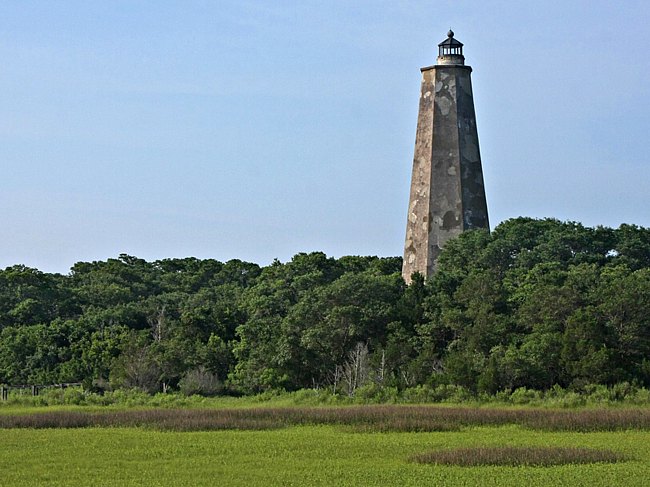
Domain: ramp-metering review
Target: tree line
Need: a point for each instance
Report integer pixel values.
(532, 304)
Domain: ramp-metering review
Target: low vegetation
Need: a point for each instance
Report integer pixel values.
(618, 395)
(359, 418)
(303, 455)
(518, 456)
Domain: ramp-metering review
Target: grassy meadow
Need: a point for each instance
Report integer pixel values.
(359, 445)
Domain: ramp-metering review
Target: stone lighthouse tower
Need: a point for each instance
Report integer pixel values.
(447, 191)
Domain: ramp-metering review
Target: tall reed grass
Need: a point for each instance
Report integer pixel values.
(360, 418)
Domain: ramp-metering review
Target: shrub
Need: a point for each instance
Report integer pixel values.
(525, 396)
(642, 396)
(375, 394)
(316, 397)
(200, 381)
(597, 393)
(453, 393)
(418, 394)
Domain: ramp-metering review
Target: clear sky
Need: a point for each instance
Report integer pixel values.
(260, 129)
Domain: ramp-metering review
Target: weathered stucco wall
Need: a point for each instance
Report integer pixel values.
(447, 190)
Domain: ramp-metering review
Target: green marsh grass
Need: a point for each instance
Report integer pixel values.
(535, 456)
(300, 456)
(269, 444)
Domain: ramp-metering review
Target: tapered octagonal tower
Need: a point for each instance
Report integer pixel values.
(447, 190)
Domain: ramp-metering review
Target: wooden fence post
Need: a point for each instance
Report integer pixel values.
(34, 390)
(5, 393)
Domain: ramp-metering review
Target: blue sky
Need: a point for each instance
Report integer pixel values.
(259, 129)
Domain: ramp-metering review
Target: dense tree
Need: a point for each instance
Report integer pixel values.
(29, 296)
(533, 304)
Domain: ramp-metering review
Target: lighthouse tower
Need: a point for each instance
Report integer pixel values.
(447, 190)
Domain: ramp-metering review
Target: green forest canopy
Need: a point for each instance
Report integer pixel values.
(533, 304)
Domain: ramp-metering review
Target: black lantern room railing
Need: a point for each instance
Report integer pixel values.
(450, 46)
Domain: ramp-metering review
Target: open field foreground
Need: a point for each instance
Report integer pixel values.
(316, 454)
(306, 455)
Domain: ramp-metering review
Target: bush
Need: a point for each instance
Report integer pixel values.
(642, 396)
(569, 400)
(453, 393)
(449, 393)
(200, 381)
(522, 395)
(375, 394)
(622, 391)
(418, 395)
(597, 393)
(316, 397)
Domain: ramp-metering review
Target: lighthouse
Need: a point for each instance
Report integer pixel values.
(447, 190)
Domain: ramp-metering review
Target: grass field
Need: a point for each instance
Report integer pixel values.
(307, 454)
